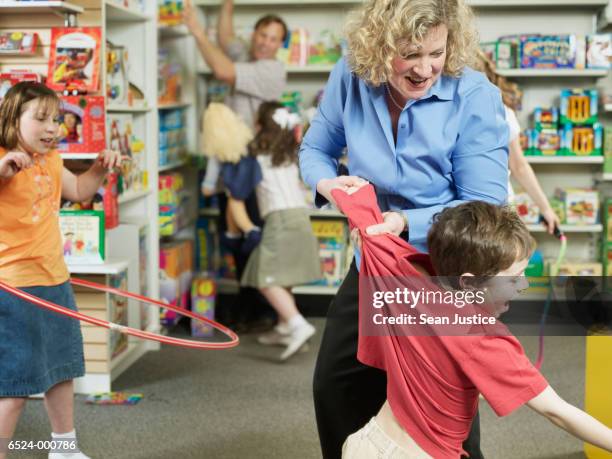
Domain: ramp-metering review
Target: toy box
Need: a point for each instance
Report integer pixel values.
(551, 51)
(121, 138)
(22, 43)
(558, 208)
(169, 79)
(581, 205)
(203, 293)
(74, 59)
(332, 237)
(82, 125)
(207, 246)
(546, 118)
(607, 215)
(526, 208)
(502, 53)
(82, 236)
(581, 140)
(576, 268)
(607, 145)
(170, 12)
(10, 79)
(117, 84)
(542, 142)
(118, 313)
(104, 200)
(175, 271)
(578, 106)
(599, 51)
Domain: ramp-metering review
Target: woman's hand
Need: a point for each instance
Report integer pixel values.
(109, 159)
(347, 183)
(393, 223)
(13, 162)
(550, 220)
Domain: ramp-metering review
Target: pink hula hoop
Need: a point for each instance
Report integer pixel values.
(234, 340)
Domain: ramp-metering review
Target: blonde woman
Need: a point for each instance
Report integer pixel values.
(428, 132)
(519, 167)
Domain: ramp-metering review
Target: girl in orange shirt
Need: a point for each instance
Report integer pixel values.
(40, 351)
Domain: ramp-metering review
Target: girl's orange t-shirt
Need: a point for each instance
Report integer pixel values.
(30, 240)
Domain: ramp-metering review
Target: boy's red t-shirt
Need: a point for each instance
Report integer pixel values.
(433, 382)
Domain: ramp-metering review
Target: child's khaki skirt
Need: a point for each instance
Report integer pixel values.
(288, 253)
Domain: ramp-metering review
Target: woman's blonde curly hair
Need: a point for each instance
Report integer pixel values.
(376, 30)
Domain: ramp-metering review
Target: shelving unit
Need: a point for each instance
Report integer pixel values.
(474, 3)
(591, 229)
(565, 159)
(51, 7)
(553, 73)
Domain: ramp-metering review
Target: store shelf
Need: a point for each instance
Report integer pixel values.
(126, 109)
(132, 196)
(119, 13)
(67, 156)
(173, 105)
(474, 3)
(598, 228)
(293, 69)
(173, 31)
(314, 290)
(565, 159)
(552, 73)
(608, 107)
(173, 165)
(606, 176)
(55, 7)
(110, 266)
(209, 212)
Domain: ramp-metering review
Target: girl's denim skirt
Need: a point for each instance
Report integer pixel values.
(38, 348)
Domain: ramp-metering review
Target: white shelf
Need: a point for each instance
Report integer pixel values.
(108, 267)
(172, 165)
(132, 196)
(314, 290)
(598, 228)
(474, 3)
(66, 156)
(176, 31)
(56, 7)
(119, 13)
(606, 176)
(126, 109)
(552, 73)
(565, 159)
(173, 105)
(304, 69)
(608, 107)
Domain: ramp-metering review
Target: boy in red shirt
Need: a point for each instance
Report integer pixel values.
(433, 382)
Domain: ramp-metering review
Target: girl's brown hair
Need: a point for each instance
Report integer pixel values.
(12, 107)
(511, 94)
(272, 139)
(478, 238)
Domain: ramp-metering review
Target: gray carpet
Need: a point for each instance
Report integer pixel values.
(241, 403)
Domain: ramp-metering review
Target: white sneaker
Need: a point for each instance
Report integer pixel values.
(297, 339)
(278, 336)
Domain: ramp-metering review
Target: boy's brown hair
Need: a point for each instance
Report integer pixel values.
(270, 19)
(273, 140)
(12, 106)
(479, 238)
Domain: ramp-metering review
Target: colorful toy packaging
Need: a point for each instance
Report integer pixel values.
(117, 85)
(203, 294)
(170, 12)
(172, 136)
(608, 150)
(502, 53)
(10, 79)
(83, 236)
(581, 140)
(21, 43)
(332, 238)
(578, 106)
(74, 60)
(113, 398)
(599, 51)
(82, 126)
(552, 51)
(526, 208)
(581, 205)
(175, 274)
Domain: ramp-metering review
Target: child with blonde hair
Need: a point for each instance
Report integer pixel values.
(40, 351)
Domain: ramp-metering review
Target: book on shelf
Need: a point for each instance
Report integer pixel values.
(83, 236)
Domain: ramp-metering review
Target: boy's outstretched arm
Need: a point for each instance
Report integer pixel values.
(572, 419)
